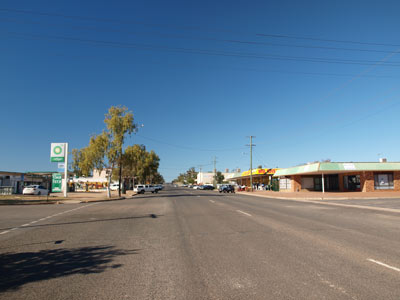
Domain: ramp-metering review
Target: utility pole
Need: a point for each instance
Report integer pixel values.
(66, 171)
(215, 171)
(251, 160)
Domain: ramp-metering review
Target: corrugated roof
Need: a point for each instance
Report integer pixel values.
(338, 167)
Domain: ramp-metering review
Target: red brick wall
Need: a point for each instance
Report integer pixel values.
(396, 180)
(296, 183)
(367, 182)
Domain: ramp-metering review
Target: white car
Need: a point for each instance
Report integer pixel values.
(35, 190)
(196, 187)
(141, 189)
(114, 186)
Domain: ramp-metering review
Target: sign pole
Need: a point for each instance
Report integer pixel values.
(66, 171)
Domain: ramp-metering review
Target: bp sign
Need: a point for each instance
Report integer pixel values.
(56, 183)
(57, 152)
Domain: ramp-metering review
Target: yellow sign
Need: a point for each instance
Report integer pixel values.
(259, 172)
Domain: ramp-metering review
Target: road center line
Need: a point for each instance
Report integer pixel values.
(212, 201)
(383, 264)
(4, 232)
(245, 213)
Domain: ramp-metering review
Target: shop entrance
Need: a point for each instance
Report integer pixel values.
(352, 182)
(331, 182)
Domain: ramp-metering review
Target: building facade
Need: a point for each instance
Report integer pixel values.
(341, 176)
(208, 177)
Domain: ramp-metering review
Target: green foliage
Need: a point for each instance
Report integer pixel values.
(219, 177)
(106, 151)
(119, 123)
(91, 157)
(140, 164)
(189, 177)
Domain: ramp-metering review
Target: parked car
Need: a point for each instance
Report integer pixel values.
(208, 187)
(114, 186)
(226, 189)
(158, 187)
(35, 190)
(141, 189)
(196, 187)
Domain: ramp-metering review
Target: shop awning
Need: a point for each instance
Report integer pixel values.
(338, 167)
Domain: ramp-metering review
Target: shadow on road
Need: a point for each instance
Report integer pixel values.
(152, 216)
(17, 269)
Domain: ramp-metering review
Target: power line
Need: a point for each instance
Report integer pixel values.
(59, 54)
(326, 40)
(207, 52)
(108, 20)
(175, 36)
(187, 147)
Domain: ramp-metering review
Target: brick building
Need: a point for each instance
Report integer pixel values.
(341, 176)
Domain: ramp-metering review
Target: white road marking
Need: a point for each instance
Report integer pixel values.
(383, 264)
(48, 217)
(245, 213)
(212, 201)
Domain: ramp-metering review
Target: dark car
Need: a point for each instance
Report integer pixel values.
(208, 187)
(226, 189)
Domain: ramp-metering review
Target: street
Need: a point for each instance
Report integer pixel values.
(191, 244)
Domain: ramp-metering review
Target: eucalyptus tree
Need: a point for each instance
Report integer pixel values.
(119, 124)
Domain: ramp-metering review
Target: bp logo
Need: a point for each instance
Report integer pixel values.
(57, 150)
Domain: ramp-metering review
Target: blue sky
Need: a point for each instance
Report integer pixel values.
(311, 80)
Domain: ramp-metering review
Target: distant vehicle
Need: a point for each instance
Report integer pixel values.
(196, 187)
(226, 189)
(208, 187)
(114, 186)
(158, 187)
(35, 190)
(141, 189)
(184, 185)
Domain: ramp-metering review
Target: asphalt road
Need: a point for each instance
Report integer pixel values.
(189, 244)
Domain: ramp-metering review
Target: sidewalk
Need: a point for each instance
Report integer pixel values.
(327, 195)
(58, 198)
(381, 201)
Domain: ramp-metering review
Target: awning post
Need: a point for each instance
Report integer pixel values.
(323, 183)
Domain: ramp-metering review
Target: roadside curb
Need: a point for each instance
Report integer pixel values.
(320, 201)
(58, 201)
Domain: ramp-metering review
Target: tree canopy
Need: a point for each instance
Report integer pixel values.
(106, 150)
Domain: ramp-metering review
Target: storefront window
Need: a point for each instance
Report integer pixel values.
(352, 182)
(285, 183)
(383, 181)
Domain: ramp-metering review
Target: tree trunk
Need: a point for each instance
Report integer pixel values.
(120, 177)
(108, 186)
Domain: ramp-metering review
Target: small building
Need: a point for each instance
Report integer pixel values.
(11, 182)
(259, 176)
(208, 177)
(99, 181)
(341, 176)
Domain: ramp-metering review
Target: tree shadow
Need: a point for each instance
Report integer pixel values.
(17, 269)
(152, 216)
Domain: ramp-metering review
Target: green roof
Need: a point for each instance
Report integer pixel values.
(338, 167)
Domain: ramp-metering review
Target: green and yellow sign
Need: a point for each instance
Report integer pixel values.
(57, 152)
(56, 183)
